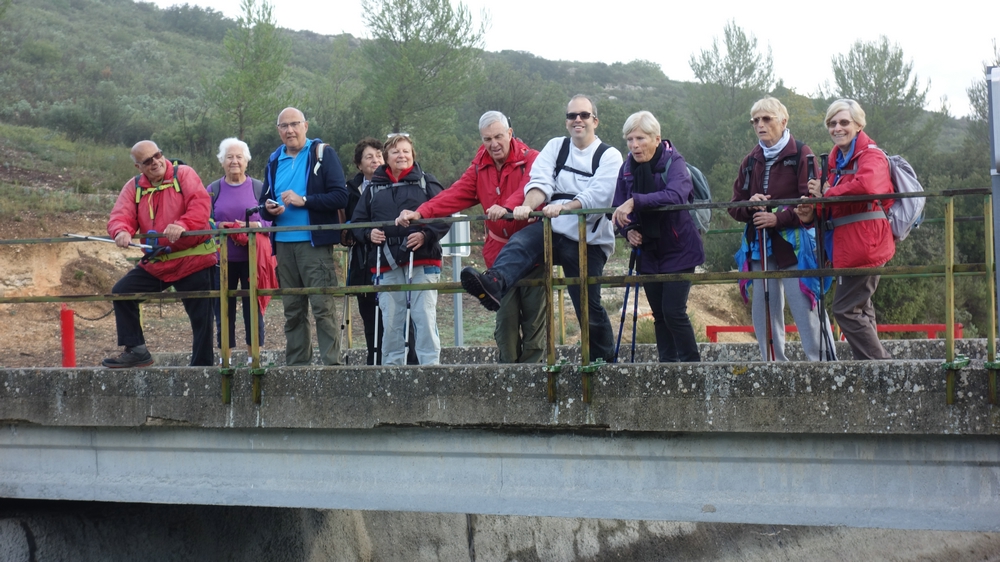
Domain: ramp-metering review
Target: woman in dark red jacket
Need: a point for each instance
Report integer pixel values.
(778, 168)
(862, 236)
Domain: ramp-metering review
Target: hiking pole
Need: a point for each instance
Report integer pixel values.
(811, 161)
(409, 281)
(635, 307)
(621, 325)
(762, 239)
(378, 275)
(109, 240)
(820, 246)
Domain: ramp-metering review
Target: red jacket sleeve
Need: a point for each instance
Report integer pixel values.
(460, 196)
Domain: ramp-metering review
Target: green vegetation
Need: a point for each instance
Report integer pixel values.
(82, 80)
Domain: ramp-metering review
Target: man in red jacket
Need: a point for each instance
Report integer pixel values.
(495, 179)
(170, 200)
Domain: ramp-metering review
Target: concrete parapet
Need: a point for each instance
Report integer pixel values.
(645, 353)
(862, 397)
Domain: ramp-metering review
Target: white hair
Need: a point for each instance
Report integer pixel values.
(491, 117)
(232, 141)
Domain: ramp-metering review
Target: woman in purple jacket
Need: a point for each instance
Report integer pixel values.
(655, 175)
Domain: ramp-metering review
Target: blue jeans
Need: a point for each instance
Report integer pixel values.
(525, 250)
(675, 339)
(423, 314)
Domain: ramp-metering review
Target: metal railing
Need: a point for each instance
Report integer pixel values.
(949, 269)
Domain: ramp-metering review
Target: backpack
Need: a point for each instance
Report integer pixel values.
(373, 189)
(700, 194)
(215, 186)
(564, 155)
(905, 214)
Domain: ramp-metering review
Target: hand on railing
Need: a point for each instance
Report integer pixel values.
(405, 216)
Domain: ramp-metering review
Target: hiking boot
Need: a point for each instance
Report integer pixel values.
(484, 286)
(137, 356)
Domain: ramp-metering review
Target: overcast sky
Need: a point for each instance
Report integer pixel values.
(947, 42)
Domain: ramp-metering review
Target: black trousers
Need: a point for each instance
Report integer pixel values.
(239, 276)
(198, 310)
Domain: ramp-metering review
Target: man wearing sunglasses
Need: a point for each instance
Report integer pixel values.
(168, 199)
(304, 186)
(578, 172)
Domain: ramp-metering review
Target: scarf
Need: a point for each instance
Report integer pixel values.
(642, 173)
(770, 153)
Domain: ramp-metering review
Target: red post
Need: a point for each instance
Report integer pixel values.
(68, 337)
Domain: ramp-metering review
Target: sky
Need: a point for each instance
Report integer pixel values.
(947, 42)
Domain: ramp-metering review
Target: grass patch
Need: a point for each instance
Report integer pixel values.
(16, 201)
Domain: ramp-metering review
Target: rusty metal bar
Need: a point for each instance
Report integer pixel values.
(584, 291)
(991, 364)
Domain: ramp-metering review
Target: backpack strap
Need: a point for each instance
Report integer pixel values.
(564, 155)
(320, 148)
(751, 162)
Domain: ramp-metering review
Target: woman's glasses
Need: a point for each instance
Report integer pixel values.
(842, 123)
(765, 118)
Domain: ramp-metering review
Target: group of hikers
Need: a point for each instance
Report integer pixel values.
(304, 185)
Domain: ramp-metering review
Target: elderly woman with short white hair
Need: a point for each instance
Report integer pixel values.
(655, 175)
(232, 195)
(778, 168)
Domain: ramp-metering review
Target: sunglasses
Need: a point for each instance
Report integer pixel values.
(765, 118)
(584, 115)
(842, 123)
(393, 135)
(149, 160)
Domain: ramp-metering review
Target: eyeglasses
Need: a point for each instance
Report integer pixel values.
(842, 123)
(583, 115)
(765, 118)
(149, 160)
(292, 125)
(404, 135)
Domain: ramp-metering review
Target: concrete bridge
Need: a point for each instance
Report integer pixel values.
(857, 444)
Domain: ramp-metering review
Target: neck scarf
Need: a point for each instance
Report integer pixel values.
(646, 183)
(770, 153)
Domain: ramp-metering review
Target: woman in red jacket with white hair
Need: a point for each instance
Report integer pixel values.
(862, 236)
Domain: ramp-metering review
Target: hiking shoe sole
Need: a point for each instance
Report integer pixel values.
(473, 286)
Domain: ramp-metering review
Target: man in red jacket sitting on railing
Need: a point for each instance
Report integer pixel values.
(496, 179)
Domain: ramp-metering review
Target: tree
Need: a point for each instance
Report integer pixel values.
(978, 94)
(4, 4)
(732, 79)
(422, 58)
(741, 72)
(251, 89)
(877, 77)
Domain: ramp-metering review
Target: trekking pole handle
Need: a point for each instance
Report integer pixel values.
(811, 162)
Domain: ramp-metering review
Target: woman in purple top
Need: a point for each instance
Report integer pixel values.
(655, 175)
(232, 195)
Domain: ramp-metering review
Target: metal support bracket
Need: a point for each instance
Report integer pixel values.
(553, 373)
(227, 385)
(953, 367)
(588, 374)
(991, 368)
(258, 374)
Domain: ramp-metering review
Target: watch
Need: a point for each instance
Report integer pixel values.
(303, 200)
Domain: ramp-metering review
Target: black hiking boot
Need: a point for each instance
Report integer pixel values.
(136, 356)
(484, 286)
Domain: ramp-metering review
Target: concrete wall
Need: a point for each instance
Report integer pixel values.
(96, 532)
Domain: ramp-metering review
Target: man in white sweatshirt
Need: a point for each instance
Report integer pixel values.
(578, 172)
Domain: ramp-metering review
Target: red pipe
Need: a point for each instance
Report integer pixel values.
(68, 337)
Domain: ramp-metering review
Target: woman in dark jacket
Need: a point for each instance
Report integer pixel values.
(367, 158)
(777, 168)
(667, 242)
(396, 186)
